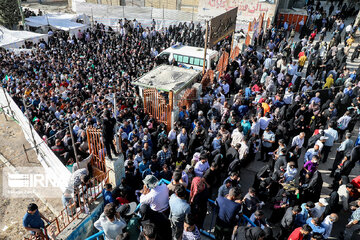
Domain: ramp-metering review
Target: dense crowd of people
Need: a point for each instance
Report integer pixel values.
(283, 102)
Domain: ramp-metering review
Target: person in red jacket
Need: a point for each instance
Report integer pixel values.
(300, 232)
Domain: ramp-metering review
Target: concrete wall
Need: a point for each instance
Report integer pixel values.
(84, 226)
(138, 3)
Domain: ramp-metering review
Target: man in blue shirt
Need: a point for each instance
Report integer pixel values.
(107, 195)
(32, 221)
(178, 209)
(316, 225)
(268, 139)
(229, 208)
(332, 136)
(302, 217)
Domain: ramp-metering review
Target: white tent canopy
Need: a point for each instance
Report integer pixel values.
(66, 22)
(15, 39)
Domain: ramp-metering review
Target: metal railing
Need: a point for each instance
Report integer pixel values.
(244, 220)
(79, 204)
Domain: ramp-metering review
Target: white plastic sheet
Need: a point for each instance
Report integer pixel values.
(15, 39)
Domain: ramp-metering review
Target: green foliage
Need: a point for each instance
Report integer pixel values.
(9, 13)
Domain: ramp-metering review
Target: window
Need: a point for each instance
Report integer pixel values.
(191, 61)
(175, 57)
(180, 59)
(185, 59)
(201, 62)
(196, 61)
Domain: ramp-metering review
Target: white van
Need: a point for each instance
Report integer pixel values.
(187, 56)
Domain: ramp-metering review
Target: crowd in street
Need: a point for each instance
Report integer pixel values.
(286, 106)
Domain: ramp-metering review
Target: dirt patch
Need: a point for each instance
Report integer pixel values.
(13, 209)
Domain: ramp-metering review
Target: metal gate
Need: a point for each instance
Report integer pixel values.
(159, 106)
(97, 148)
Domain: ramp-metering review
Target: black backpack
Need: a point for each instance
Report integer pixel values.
(313, 139)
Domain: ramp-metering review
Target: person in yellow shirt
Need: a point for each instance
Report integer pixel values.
(329, 82)
(27, 92)
(266, 107)
(302, 61)
(350, 41)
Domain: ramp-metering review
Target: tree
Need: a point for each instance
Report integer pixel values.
(9, 13)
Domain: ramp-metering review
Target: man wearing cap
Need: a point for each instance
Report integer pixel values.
(321, 142)
(110, 222)
(157, 196)
(319, 208)
(178, 209)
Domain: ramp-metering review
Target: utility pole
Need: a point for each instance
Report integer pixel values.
(21, 13)
(30, 127)
(73, 144)
(206, 43)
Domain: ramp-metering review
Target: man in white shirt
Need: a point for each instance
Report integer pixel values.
(311, 78)
(255, 127)
(82, 163)
(288, 96)
(343, 123)
(157, 196)
(264, 121)
(237, 136)
(298, 141)
(110, 223)
(292, 68)
(344, 194)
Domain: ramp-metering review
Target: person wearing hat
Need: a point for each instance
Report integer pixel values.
(319, 208)
(110, 222)
(155, 194)
(126, 212)
(159, 220)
